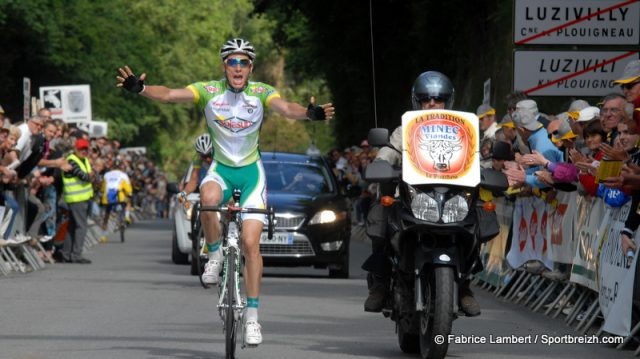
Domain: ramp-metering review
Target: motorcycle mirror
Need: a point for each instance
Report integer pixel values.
(380, 171)
(492, 180)
(378, 137)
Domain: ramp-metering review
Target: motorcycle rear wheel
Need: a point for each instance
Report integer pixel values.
(437, 317)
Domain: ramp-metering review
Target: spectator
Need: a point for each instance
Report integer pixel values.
(532, 132)
(630, 83)
(28, 130)
(488, 126)
(611, 114)
(78, 192)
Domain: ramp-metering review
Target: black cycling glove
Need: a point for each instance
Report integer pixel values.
(133, 84)
(315, 113)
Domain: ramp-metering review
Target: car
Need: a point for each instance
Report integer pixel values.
(181, 246)
(313, 217)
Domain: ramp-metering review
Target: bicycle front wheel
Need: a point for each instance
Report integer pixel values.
(230, 322)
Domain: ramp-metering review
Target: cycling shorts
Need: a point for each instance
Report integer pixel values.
(249, 179)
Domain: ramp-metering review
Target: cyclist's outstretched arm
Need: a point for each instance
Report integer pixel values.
(298, 112)
(130, 82)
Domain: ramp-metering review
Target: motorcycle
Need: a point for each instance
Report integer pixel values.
(435, 236)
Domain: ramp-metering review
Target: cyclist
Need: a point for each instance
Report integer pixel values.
(116, 189)
(234, 109)
(199, 166)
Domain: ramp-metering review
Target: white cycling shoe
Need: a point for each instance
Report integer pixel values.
(211, 273)
(252, 333)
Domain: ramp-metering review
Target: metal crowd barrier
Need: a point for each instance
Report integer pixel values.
(578, 304)
(20, 255)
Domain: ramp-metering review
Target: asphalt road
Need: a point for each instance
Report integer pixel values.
(132, 302)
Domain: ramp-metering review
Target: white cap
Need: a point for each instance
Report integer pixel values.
(589, 113)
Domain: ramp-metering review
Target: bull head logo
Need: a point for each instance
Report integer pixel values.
(440, 151)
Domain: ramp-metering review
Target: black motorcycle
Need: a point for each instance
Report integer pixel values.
(435, 232)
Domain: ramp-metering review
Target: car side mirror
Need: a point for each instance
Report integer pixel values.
(172, 188)
(492, 180)
(378, 137)
(380, 171)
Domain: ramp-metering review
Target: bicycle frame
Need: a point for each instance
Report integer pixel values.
(232, 266)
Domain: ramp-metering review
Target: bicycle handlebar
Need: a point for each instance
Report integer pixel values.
(270, 212)
(236, 209)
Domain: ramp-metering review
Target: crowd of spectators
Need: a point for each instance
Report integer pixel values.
(34, 157)
(349, 167)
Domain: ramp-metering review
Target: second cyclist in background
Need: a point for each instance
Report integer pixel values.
(198, 168)
(116, 189)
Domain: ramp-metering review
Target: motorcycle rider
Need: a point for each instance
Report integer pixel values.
(431, 90)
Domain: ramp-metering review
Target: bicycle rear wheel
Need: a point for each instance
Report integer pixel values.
(123, 225)
(230, 322)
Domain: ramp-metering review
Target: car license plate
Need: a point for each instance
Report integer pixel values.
(278, 238)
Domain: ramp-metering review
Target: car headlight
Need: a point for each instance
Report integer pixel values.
(425, 207)
(327, 216)
(455, 209)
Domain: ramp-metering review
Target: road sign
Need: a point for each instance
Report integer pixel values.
(69, 103)
(569, 73)
(577, 22)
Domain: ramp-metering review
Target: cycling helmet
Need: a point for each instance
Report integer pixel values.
(237, 46)
(432, 84)
(203, 144)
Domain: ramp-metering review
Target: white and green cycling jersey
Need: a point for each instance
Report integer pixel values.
(233, 119)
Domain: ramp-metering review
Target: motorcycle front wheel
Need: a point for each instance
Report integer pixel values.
(437, 317)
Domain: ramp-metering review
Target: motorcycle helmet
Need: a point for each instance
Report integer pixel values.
(432, 84)
(237, 46)
(203, 144)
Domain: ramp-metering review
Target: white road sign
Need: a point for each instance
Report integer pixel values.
(569, 73)
(577, 22)
(69, 103)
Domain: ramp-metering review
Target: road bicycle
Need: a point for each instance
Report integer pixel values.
(231, 302)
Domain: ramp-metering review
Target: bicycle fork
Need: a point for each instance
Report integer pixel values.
(231, 247)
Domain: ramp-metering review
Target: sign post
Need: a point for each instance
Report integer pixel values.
(26, 93)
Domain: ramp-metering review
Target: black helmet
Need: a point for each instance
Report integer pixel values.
(432, 84)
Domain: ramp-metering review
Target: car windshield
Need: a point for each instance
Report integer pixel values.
(297, 177)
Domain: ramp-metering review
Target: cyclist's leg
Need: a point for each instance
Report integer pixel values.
(254, 195)
(105, 222)
(251, 230)
(213, 190)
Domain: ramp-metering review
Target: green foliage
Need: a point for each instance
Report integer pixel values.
(175, 42)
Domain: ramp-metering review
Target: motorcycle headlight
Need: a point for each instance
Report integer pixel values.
(455, 209)
(425, 207)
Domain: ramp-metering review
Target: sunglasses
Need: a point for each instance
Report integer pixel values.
(235, 62)
(629, 86)
(434, 98)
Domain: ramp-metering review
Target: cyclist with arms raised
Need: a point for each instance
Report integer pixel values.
(234, 109)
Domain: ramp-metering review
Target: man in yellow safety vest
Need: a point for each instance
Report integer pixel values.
(78, 192)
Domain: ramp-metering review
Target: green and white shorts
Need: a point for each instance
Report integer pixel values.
(249, 179)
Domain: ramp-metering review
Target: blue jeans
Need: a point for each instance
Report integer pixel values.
(10, 203)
